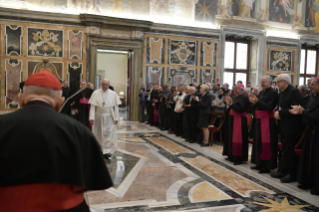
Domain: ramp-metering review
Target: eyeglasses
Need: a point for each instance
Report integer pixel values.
(279, 81)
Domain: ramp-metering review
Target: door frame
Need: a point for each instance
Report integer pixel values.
(136, 47)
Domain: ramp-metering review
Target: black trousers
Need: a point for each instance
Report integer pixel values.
(193, 129)
(172, 118)
(150, 113)
(162, 117)
(186, 127)
(178, 123)
(288, 161)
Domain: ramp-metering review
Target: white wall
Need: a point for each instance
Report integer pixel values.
(114, 67)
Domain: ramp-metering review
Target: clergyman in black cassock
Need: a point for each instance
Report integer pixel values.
(193, 114)
(81, 104)
(66, 93)
(44, 154)
(149, 106)
(308, 170)
(236, 141)
(289, 128)
(265, 144)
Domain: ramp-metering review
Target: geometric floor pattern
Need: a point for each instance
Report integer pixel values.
(154, 171)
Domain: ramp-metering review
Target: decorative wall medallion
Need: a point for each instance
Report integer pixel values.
(75, 44)
(13, 40)
(205, 10)
(183, 52)
(155, 50)
(45, 42)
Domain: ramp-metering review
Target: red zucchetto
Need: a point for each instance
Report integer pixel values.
(44, 79)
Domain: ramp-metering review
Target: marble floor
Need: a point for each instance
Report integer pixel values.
(154, 171)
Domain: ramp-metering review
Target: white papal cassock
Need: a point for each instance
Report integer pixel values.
(105, 112)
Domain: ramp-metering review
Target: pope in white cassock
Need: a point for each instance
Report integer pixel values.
(104, 116)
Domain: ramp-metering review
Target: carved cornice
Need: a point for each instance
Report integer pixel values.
(115, 23)
(36, 16)
(283, 40)
(242, 31)
(186, 30)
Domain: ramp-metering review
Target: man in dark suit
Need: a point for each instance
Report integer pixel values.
(142, 96)
(150, 112)
(66, 93)
(289, 128)
(53, 159)
(193, 113)
(305, 96)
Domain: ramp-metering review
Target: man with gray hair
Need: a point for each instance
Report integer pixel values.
(305, 96)
(104, 116)
(289, 128)
(265, 137)
(48, 159)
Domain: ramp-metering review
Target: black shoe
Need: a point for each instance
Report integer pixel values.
(203, 145)
(192, 141)
(304, 186)
(228, 159)
(288, 179)
(277, 175)
(177, 135)
(256, 167)
(107, 156)
(237, 163)
(263, 170)
(314, 192)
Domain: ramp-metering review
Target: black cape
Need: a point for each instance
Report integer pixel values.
(308, 170)
(83, 109)
(39, 145)
(267, 101)
(66, 93)
(240, 105)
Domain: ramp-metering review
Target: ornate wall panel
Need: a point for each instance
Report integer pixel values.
(183, 52)
(205, 10)
(208, 54)
(25, 44)
(54, 68)
(155, 75)
(44, 42)
(281, 60)
(75, 44)
(207, 76)
(13, 70)
(178, 76)
(13, 40)
(155, 50)
(75, 72)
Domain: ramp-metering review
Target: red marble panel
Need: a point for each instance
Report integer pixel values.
(75, 44)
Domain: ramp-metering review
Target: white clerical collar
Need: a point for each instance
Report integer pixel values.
(104, 91)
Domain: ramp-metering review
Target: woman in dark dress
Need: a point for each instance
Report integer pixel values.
(204, 112)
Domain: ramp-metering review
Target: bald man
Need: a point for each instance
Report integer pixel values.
(104, 116)
(48, 159)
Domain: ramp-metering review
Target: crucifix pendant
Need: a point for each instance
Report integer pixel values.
(103, 103)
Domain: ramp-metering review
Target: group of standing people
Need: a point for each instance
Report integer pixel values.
(281, 114)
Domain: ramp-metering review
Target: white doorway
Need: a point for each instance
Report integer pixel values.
(113, 65)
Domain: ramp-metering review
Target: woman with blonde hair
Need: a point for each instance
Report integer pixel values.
(204, 112)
